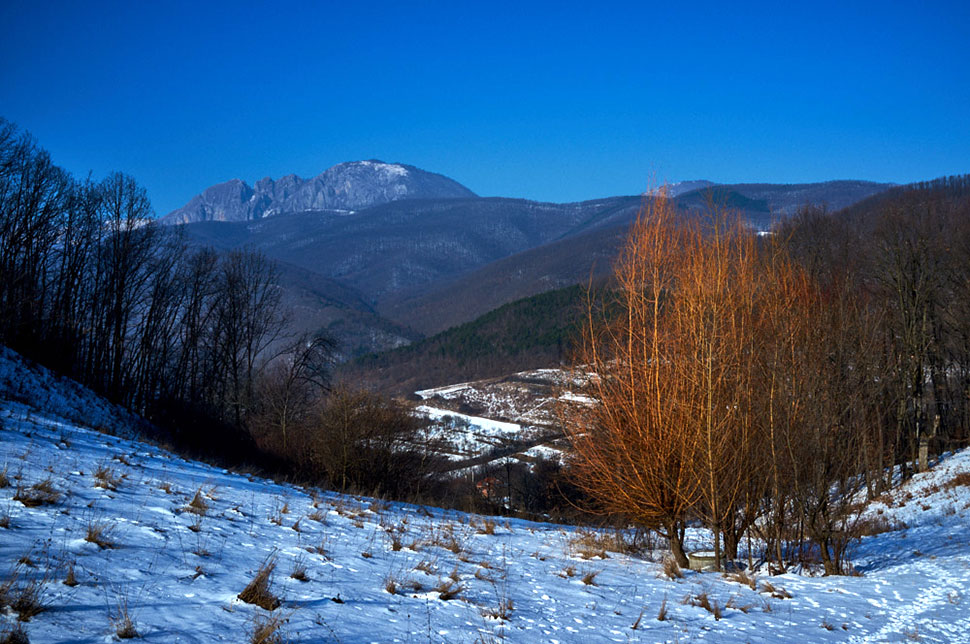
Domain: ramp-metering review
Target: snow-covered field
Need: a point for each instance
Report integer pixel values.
(177, 570)
(477, 417)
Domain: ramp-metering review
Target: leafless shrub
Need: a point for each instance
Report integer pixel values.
(259, 591)
(5, 520)
(14, 634)
(4, 479)
(878, 525)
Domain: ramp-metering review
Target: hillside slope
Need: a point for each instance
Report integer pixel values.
(179, 541)
(531, 332)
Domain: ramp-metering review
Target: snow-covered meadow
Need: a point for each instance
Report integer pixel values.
(180, 540)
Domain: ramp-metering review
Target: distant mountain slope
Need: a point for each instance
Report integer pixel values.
(573, 260)
(764, 204)
(316, 303)
(430, 264)
(409, 246)
(347, 186)
(528, 333)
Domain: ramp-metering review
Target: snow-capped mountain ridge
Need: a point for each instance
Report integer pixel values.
(343, 187)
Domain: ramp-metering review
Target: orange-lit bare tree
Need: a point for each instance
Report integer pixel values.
(631, 454)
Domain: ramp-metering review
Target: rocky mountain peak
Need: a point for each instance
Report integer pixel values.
(352, 185)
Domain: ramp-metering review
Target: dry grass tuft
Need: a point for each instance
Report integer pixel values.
(961, 479)
(198, 504)
(105, 479)
(299, 571)
(4, 479)
(267, 629)
(503, 609)
(672, 569)
(590, 577)
(742, 577)
(701, 599)
(123, 624)
(487, 527)
(777, 593)
(259, 591)
(662, 613)
(878, 525)
(99, 533)
(26, 597)
(40, 493)
(733, 603)
(70, 579)
(589, 544)
(448, 589)
(390, 585)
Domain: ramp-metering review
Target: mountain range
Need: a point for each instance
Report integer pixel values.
(344, 187)
(380, 254)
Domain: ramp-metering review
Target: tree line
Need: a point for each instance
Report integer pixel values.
(765, 386)
(93, 288)
(194, 340)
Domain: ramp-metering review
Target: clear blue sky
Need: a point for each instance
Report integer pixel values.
(559, 101)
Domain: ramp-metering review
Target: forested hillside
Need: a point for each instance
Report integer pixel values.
(533, 332)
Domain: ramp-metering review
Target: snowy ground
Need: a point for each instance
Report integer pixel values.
(477, 417)
(179, 572)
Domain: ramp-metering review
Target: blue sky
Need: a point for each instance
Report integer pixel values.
(555, 101)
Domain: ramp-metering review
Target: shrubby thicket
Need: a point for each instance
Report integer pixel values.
(765, 386)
